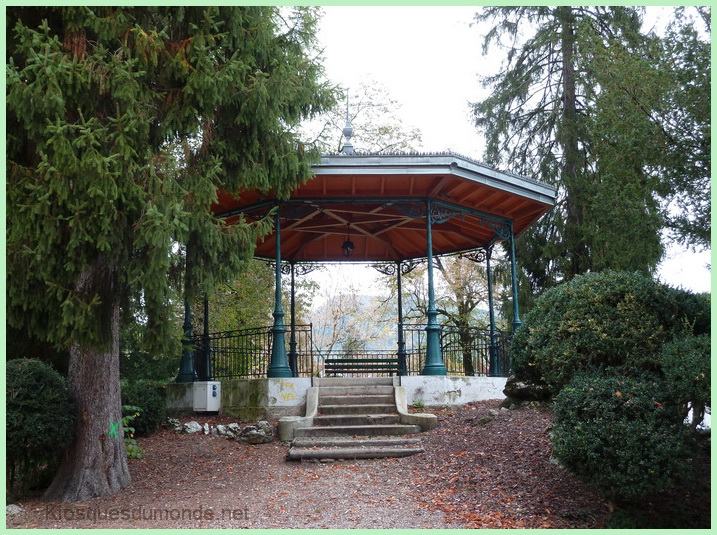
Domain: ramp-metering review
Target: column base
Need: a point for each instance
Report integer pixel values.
(186, 368)
(434, 370)
(185, 378)
(279, 371)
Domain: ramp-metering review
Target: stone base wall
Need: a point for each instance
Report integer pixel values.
(261, 399)
(443, 391)
(251, 400)
(180, 399)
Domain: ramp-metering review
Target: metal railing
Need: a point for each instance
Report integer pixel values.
(466, 351)
(247, 352)
(470, 351)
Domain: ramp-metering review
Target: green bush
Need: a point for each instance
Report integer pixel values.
(150, 396)
(129, 415)
(40, 424)
(609, 319)
(691, 309)
(619, 434)
(686, 367)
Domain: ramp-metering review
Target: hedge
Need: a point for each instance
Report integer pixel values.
(609, 319)
(620, 434)
(150, 396)
(40, 424)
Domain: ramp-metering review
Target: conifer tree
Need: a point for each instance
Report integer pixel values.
(123, 123)
(579, 103)
(686, 119)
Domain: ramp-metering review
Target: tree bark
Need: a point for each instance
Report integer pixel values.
(568, 136)
(95, 464)
(466, 341)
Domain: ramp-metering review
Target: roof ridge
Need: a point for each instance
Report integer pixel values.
(443, 153)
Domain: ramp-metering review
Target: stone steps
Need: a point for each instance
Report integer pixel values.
(378, 408)
(347, 442)
(356, 399)
(357, 419)
(353, 381)
(352, 448)
(357, 430)
(357, 390)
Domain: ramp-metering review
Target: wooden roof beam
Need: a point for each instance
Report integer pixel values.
(363, 232)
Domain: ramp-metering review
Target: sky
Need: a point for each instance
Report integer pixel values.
(429, 59)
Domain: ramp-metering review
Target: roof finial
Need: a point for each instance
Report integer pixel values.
(348, 130)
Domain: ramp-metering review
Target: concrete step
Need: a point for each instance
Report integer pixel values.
(352, 381)
(373, 452)
(357, 430)
(379, 408)
(356, 419)
(355, 390)
(352, 448)
(318, 442)
(362, 399)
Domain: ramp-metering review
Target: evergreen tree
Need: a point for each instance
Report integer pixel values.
(577, 104)
(686, 120)
(122, 125)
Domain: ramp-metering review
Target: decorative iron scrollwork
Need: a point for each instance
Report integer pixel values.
(386, 268)
(391, 268)
(409, 265)
(478, 256)
(306, 267)
(412, 210)
(300, 268)
(441, 212)
(500, 227)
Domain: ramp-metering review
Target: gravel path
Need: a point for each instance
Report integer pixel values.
(482, 468)
(190, 481)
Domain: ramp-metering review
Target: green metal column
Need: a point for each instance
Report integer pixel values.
(293, 356)
(516, 316)
(402, 368)
(493, 360)
(279, 366)
(186, 366)
(203, 364)
(434, 357)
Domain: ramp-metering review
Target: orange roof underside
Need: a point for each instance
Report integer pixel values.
(381, 207)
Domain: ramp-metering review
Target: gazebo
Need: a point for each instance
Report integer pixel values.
(385, 208)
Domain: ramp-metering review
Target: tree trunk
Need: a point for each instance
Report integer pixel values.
(95, 464)
(466, 340)
(569, 140)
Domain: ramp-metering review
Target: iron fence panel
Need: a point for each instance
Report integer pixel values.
(247, 353)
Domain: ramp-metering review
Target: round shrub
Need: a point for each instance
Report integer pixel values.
(608, 319)
(619, 434)
(40, 423)
(150, 396)
(692, 312)
(686, 366)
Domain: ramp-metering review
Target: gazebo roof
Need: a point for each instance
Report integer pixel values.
(380, 202)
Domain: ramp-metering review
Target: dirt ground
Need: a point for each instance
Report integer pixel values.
(474, 474)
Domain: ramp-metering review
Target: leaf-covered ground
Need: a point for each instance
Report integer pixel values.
(474, 474)
(498, 474)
